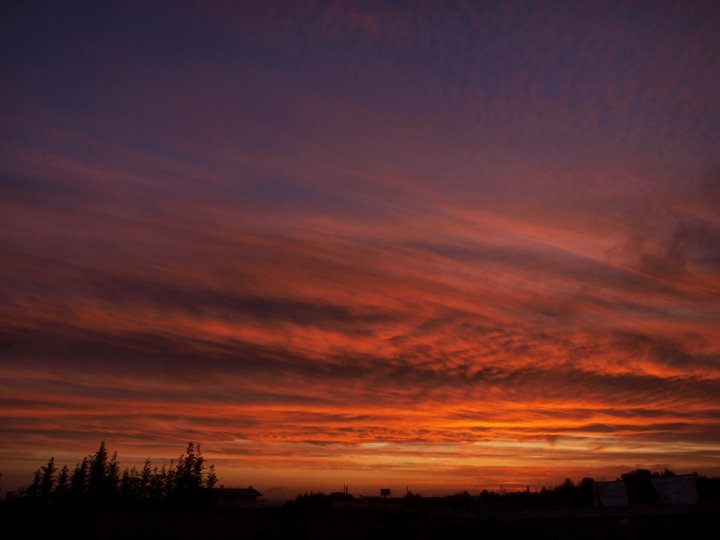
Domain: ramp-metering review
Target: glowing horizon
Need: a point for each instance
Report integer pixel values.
(435, 247)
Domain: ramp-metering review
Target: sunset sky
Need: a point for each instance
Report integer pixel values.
(451, 245)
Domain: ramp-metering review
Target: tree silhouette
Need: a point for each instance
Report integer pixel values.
(48, 480)
(188, 486)
(98, 480)
(158, 483)
(145, 482)
(79, 480)
(189, 470)
(639, 486)
(130, 484)
(62, 483)
(112, 476)
(211, 479)
(33, 490)
(708, 488)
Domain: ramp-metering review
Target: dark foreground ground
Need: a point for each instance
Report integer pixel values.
(162, 523)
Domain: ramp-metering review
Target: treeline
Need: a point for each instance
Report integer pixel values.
(98, 480)
(567, 493)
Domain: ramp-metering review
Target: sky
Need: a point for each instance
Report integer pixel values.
(436, 245)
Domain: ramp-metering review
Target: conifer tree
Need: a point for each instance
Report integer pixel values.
(198, 469)
(97, 480)
(211, 479)
(48, 479)
(129, 485)
(158, 489)
(112, 478)
(189, 470)
(169, 479)
(79, 480)
(135, 483)
(61, 488)
(33, 491)
(146, 476)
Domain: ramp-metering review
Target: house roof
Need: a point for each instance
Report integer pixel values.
(248, 492)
